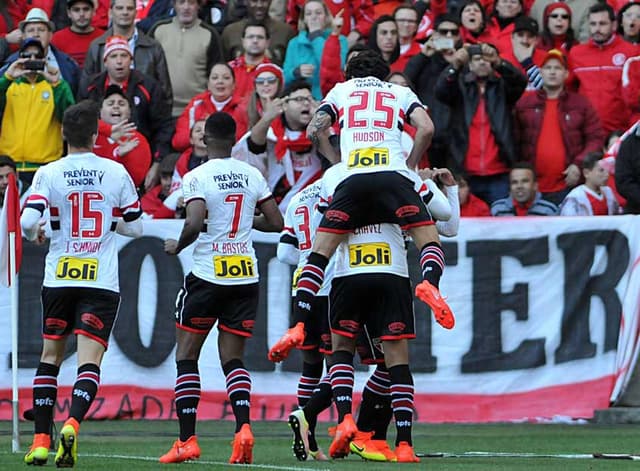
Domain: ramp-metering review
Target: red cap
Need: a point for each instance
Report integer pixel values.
(115, 43)
(273, 68)
(552, 6)
(555, 54)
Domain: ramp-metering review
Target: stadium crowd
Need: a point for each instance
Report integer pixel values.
(532, 109)
(504, 82)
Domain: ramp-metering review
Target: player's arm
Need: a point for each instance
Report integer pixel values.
(420, 120)
(196, 212)
(287, 251)
(129, 229)
(31, 221)
(271, 218)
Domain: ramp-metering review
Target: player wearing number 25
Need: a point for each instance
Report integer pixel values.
(80, 292)
(220, 197)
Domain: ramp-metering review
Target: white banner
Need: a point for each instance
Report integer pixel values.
(546, 325)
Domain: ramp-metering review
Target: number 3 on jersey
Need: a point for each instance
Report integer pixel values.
(363, 107)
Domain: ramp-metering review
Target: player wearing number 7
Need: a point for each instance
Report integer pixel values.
(80, 292)
(220, 196)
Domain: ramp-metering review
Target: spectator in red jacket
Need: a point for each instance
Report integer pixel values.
(557, 32)
(255, 41)
(556, 129)
(120, 141)
(406, 17)
(470, 205)
(629, 22)
(476, 27)
(153, 201)
(75, 40)
(503, 18)
(218, 97)
(597, 68)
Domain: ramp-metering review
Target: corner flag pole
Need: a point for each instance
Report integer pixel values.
(15, 442)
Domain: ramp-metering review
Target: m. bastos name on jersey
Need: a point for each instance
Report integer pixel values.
(82, 176)
(230, 247)
(231, 180)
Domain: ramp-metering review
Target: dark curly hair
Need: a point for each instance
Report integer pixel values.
(367, 63)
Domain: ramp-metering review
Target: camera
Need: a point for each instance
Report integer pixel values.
(35, 64)
(443, 43)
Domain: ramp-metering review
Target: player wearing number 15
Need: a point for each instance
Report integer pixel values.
(220, 196)
(80, 292)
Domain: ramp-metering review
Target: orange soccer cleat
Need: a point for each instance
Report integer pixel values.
(294, 337)
(430, 295)
(182, 451)
(39, 451)
(363, 446)
(404, 453)
(383, 447)
(242, 452)
(345, 432)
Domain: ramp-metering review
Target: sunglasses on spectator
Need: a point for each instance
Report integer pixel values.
(265, 80)
(563, 16)
(300, 99)
(447, 31)
(27, 55)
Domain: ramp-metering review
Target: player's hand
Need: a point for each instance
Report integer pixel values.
(444, 176)
(121, 129)
(319, 122)
(170, 246)
(41, 238)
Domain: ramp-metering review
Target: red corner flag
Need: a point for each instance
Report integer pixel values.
(10, 223)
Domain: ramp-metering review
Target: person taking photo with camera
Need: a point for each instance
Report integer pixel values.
(33, 97)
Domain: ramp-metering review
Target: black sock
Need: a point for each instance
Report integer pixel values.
(309, 283)
(402, 401)
(84, 390)
(432, 263)
(342, 375)
(319, 400)
(308, 382)
(375, 409)
(187, 393)
(45, 392)
(238, 390)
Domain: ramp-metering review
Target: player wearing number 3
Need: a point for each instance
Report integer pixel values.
(80, 292)
(220, 196)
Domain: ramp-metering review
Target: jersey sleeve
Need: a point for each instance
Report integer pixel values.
(192, 188)
(263, 191)
(130, 206)
(410, 102)
(40, 191)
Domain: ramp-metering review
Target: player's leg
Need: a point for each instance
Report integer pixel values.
(396, 354)
(193, 323)
(432, 263)
(95, 313)
(234, 327)
(342, 374)
(238, 383)
(45, 392)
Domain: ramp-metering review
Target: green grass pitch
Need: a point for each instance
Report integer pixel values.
(136, 445)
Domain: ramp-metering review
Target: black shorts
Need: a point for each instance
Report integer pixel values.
(374, 198)
(318, 334)
(85, 311)
(382, 301)
(200, 304)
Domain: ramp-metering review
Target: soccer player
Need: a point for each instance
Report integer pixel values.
(221, 197)
(377, 188)
(80, 292)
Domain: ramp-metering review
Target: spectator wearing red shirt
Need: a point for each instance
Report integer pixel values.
(255, 41)
(556, 128)
(75, 40)
(503, 19)
(153, 200)
(219, 96)
(597, 68)
(406, 17)
(120, 141)
(475, 26)
(557, 32)
(470, 205)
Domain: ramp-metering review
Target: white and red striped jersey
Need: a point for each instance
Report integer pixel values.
(377, 248)
(223, 253)
(301, 221)
(371, 114)
(85, 195)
